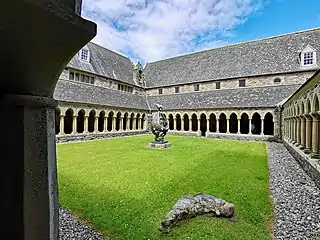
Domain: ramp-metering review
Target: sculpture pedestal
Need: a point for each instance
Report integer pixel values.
(162, 145)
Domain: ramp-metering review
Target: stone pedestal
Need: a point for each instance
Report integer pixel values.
(159, 145)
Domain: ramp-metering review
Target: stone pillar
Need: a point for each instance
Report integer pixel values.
(174, 124)
(190, 124)
(217, 122)
(199, 124)
(298, 131)
(250, 128)
(208, 125)
(239, 125)
(294, 130)
(96, 124)
(315, 135)
(308, 133)
(134, 121)
(139, 123)
(121, 124)
(114, 120)
(61, 125)
(128, 124)
(262, 127)
(86, 124)
(74, 125)
(302, 132)
(182, 124)
(105, 124)
(228, 127)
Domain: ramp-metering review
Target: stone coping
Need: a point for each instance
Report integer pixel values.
(310, 165)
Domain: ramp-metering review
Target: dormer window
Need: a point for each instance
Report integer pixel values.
(85, 54)
(308, 56)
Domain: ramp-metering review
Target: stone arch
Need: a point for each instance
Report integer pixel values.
(186, 126)
(118, 119)
(233, 123)
(178, 122)
(131, 121)
(203, 124)
(124, 121)
(143, 120)
(137, 121)
(92, 115)
(68, 119)
(80, 121)
(101, 120)
(222, 123)
(212, 123)
(194, 120)
(110, 121)
(57, 120)
(244, 123)
(171, 124)
(256, 123)
(315, 104)
(308, 106)
(268, 128)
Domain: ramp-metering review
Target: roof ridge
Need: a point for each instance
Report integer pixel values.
(239, 43)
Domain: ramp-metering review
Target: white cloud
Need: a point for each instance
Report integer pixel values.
(150, 30)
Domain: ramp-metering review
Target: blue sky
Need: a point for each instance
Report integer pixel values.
(151, 30)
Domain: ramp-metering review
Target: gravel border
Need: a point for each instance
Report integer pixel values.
(72, 229)
(296, 197)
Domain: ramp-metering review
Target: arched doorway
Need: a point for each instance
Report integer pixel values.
(101, 121)
(222, 123)
(186, 122)
(203, 124)
(57, 120)
(171, 122)
(212, 123)
(268, 127)
(194, 126)
(68, 121)
(244, 124)
(92, 115)
(256, 123)
(110, 121)
(118, 119)
(233, 123)
(80, 121)
(178, 122)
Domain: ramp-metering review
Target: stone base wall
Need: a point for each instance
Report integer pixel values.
(309, 165)
(93, 136)
(183, 133)
(244, 137)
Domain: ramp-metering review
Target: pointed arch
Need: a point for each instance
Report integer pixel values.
(186, 126)
(178, 122)
(212, 123)
(118, 119)
(244, 123)
(233, 123)
(256, 123)
(171, 124)
(80, 121)
(268, 128)
(68, 119)
(92, 115)
(101, 120)
(110, 121)
(194, 122)
(222, 123)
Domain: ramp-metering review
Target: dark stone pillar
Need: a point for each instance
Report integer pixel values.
(36, 42)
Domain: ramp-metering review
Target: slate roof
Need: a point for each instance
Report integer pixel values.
(84, 93)
(267, 56)
(227, 98)
(106, 63)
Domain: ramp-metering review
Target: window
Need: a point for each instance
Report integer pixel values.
(92, 80)
(196, 87)
(71, 76)
(160, 91)
(218, 85)
(242, 83)
(82, 78)
(87, 79)
(84, 54)
(308, 56)
(77, 77)
(177, 89)
(277, 80)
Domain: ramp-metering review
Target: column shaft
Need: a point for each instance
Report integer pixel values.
(174, 124)
(61, 125)
(262, 126)
(303, 131)
(298, 131)
(86, 124)
(239, 125)
(190, 125)
(228, 127)
(308, 133)
(96, 124)
(217, 122)
(315, 135)
(105, 124)
(74, 125)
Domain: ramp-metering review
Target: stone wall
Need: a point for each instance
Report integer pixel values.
(258, 81)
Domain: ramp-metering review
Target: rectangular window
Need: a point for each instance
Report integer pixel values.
(308, 58)
(92, 80)
(82, 78)
(160, 91)
(242, 83)
(87, 79)
(177, 89)
(84, 54)
(77, 77)
(71, 76)
(196, 87)
(218, 85)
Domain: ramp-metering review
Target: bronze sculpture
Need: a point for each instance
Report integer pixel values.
(159, 126)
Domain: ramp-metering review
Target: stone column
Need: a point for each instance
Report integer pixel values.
(74, 125)
(105, 124)
(262, 127)
(182, 124)
(308, 133)
(190, 124)
(127, 124)
(139, 123)
(199, 124)
(134, 121)
(294, 130)
(114, 120)
(302, 132)
(250, 129)
(298, 131)
(96, 124)
(61, 125)
(121, 124)
(228, 127)
(217, 123)
(208, 125)
(239, 123)
(174, 124)
(315, 135)
(86, 124)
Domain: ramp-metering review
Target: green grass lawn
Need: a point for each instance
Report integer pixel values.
(125, 189)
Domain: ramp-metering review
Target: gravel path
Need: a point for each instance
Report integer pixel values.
(296, 197)
(72, 229)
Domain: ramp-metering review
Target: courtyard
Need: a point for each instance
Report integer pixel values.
(125, 189)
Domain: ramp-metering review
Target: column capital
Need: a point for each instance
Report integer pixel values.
(315, 116)
(62, 115)
(307, 116)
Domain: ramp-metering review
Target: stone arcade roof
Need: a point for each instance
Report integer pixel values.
(83, 93)
(106, 63)
(267, 56)
(228, 98)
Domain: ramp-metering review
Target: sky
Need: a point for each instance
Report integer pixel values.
(152, 30)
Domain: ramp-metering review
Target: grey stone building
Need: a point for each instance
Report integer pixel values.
(233, 91)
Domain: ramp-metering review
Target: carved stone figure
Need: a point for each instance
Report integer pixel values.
(159, 125)
(199, 204)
